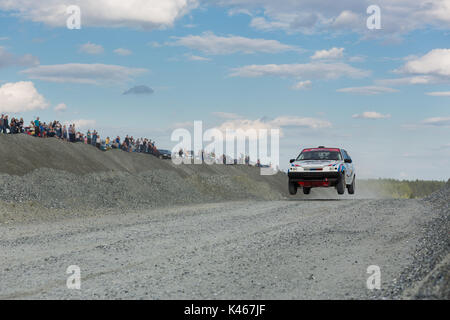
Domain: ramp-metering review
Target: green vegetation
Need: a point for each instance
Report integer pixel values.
(402, 188)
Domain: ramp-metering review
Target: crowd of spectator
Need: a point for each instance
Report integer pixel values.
(69, 133)
(13, 126)
(210, 157)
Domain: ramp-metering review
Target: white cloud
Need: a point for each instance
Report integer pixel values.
(434, 63)
(314, 70)
(333, 53)
(226, 115)
(307, 16)
(358, 58)
(148, 14)
(91, 48)
(439, 94)
(182, 125)
(277, 123)
(197, 58)
(433, 67)
(288, 121)
(245, 124)
(122, 52)
(302, 85)
(371, 115)
(155, 44)
(437, 121)
(60, 107)
(8, 59)
(82, 123)
(83, 73)
(406, 81)
(236, 121)
(20, 97)
(349, 20)
(368, 90)
(310, 16)
(263, 24)
(210, 43)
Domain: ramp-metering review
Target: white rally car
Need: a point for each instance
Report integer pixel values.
(322, 167)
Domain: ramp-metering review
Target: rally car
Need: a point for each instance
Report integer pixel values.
(322, 167)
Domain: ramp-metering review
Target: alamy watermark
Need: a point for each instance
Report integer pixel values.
(374, 20)
(374, 280)
(229, 146)
(74, 19)
(74, 280)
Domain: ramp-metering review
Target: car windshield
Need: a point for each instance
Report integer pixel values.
(320, 155)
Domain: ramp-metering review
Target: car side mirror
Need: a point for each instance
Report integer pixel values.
(292, 160)
(348, 160)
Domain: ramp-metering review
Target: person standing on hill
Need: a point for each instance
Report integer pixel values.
(37, 125)
(69, 131)
(64, 132)
(5, 124)
(94, 138)
(1, 123)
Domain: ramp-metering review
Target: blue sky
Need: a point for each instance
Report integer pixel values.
(384, 95)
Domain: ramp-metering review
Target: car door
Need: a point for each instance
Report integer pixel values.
(348, 168)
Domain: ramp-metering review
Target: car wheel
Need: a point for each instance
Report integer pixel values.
(292, 188)
(351, 187)
(340, 187)
(306, 190)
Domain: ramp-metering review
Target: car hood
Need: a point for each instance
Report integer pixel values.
(315, 163)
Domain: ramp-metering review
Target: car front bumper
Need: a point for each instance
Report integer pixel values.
(314, 179)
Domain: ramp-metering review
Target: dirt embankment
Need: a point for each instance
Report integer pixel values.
(58, 175)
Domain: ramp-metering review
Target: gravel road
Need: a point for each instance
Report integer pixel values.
(284, 249)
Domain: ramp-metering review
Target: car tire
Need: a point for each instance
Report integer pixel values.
(351, 187)
(306, 190)
(292, 188)
(340, 187)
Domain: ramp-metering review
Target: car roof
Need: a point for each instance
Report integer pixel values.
(321, 149)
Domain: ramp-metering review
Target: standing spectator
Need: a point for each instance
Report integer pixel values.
(65, 133)
(37, 124)
(94, 138)
(69, 131)
(21, 125)
(5, 124)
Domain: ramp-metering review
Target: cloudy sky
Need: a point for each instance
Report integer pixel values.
(311, 68)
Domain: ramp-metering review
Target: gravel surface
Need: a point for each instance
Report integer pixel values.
(293, 249)
(429, 275)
